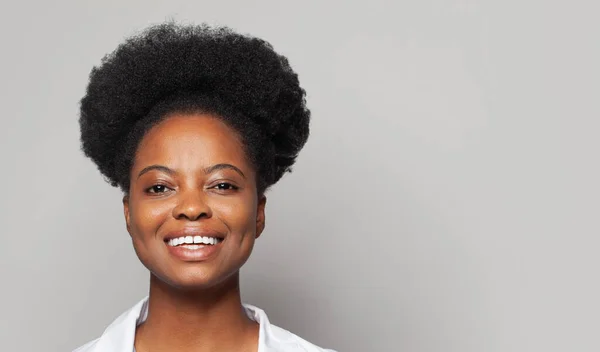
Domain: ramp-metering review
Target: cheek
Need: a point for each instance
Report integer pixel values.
(146, 217)
(240, 217)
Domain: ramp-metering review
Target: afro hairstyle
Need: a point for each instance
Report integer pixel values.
(171, 68)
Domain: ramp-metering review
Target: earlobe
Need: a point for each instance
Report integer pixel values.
(260, 216)
(126, 212)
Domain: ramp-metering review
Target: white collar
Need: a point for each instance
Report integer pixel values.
(120, 335)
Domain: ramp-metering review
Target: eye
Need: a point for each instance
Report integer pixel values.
(157, 189)
(225, 186)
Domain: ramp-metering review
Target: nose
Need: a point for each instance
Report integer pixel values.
(192, 206)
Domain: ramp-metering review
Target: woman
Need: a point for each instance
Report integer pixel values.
(194, 124)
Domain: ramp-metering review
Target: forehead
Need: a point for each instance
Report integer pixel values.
(190, 140)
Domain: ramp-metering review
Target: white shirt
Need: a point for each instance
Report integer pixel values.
(120, 335)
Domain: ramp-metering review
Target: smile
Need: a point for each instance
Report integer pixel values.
(192, 242)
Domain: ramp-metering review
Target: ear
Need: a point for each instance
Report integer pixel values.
(126, 212)
(260, 215)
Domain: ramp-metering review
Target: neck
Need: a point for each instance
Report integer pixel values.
(203, 320)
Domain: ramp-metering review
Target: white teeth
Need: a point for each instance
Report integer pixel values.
(190, 240)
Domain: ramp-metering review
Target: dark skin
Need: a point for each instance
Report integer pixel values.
(191, 171)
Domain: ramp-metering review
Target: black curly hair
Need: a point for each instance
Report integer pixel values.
(170, 68)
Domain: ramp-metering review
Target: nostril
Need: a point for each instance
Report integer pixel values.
(191, 215)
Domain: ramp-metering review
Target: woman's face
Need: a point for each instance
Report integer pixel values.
(191, 181)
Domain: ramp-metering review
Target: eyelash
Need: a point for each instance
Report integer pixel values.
(230, 186)
(150, 189)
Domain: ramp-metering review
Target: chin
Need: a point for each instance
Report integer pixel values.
(197, 279)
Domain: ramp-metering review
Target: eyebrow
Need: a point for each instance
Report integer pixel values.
(217, 167)
(207, 170)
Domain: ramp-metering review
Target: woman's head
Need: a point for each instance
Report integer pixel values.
(191, 178)
(193, 124)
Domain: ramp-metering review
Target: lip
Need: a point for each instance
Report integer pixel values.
(203, 253)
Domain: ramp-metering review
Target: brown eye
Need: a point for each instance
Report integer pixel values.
(224, 186)
(157, 189)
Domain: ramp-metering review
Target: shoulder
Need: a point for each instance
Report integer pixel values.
(120, 334)
(275, 339)
(87, 347)
(291, 342)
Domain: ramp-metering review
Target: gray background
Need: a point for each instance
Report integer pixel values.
(447, 200)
